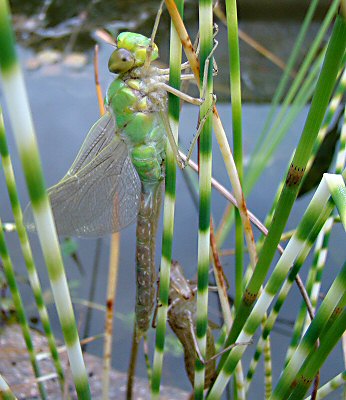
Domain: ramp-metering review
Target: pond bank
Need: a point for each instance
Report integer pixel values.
(16, 369)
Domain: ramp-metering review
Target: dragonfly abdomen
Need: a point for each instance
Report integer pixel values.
(147, 222)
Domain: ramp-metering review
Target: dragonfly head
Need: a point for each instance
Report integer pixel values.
(120, 61)
(131, 52)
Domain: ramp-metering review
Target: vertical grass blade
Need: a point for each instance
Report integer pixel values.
(22, 124)
(26, 249)
(205, 158)
(235, 86)
(168, 210)
(267, 369)
(110, 307)
(20, 312)
(325, 85)
(234, 59)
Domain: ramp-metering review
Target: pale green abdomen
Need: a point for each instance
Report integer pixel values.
(140, 128)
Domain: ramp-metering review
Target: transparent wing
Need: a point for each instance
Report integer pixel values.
(100, 193)
(99, 136)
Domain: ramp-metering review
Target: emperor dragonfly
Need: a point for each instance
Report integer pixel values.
(118, 172)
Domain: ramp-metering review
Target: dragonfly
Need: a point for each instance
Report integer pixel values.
(119, 171)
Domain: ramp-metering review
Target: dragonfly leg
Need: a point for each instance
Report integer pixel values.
(184, 96)
(171, 140)
(198, 351)
(165, 71)
(194, 338)
(206, 68)
(189, 99)
(152, 37)
(182, 163)
(199, 130)
(226, 349)
(197, 47)
(157, 306)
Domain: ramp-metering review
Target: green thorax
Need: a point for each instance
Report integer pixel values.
(136, 103)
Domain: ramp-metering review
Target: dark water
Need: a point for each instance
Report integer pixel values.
(64, 107)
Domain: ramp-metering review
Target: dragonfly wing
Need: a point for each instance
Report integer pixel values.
(99, 136)
(100, 193)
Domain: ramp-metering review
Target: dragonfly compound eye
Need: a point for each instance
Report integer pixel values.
(120, 61)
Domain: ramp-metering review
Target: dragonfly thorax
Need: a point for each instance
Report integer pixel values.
(136, 100)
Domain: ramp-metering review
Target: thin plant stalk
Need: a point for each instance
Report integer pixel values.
(97, 81)
(26, 249)
(268, 377)
(321, 252)
(225, 307)
(23, 129)
(233, 41)
(110, 301)
(220, 281)
(168, 210)
(5, 391)
(20, 311)
(325, 85)
(205, 163)
(235, 86)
